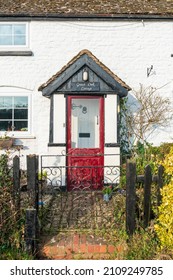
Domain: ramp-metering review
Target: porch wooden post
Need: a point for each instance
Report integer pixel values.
(147, 195)
(130, 197)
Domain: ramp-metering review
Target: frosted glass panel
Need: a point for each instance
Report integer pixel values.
(85, 123)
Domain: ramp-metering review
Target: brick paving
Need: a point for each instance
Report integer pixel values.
(68, 245)
(75, 238)
(80, 210)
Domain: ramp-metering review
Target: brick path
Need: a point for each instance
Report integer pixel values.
(62, 237)
(79, 246)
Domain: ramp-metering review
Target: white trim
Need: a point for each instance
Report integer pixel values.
(21, 134)
(16, 47)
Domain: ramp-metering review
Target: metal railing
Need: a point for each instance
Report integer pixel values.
(56, 175)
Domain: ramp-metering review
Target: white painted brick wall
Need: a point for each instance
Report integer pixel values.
(128, 48)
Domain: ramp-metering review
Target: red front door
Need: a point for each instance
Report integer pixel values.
(85, 142)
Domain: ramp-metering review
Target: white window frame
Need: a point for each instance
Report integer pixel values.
(20, 134)
(16, 47)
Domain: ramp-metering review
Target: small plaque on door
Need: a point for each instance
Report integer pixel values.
(84, 135)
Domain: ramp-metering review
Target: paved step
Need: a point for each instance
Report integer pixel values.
(79, 246)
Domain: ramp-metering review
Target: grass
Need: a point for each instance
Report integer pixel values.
(14, 254)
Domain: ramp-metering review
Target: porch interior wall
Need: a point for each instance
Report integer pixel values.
(111, 119)
(59, 127)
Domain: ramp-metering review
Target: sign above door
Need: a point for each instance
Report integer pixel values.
(85, 86)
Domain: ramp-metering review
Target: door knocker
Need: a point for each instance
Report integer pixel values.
(84, 110)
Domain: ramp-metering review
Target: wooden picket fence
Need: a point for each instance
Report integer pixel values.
(132, 179)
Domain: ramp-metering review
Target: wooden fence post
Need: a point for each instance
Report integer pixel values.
(130, 197)
(31, 230)
(159, 183)
(32, 225)
(32, 180)
(16, 185)
(147, 195)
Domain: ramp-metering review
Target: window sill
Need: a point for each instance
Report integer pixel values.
(112, 145)
(16, 137)
(56, 144)
(16, 53)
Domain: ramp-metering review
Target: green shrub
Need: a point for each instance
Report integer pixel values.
(144, 155)
(142, 245)
(11, 228)
(164, 149)
(6, 204)
(167, 163)
(164, 227)
(148, 154)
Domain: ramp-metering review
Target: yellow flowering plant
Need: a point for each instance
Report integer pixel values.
(164, 226)
(168, 165)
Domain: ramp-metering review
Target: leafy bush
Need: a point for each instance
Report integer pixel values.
(164, 228)
(125, 146)
(11, 229)
(168, 166)
(144, 155)
(142, 245)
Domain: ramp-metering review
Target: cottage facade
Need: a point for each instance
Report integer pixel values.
(47, 46)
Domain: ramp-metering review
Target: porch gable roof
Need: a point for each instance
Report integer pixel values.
(84, 59)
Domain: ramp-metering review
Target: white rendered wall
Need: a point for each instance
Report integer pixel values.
(128, 48)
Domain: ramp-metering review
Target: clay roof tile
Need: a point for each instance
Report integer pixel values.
(85, 8)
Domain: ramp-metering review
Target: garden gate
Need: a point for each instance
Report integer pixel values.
(83, 207)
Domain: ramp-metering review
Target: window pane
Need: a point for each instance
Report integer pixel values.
(13, 34)
(14, 113)
(85, 123)
(19, 29)
(20, 114)
(21, 102)
(6, 29)
(21, 126)
(5, 125)
(5, 114)
(5, 102)
(19, 40)
(5, 40)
